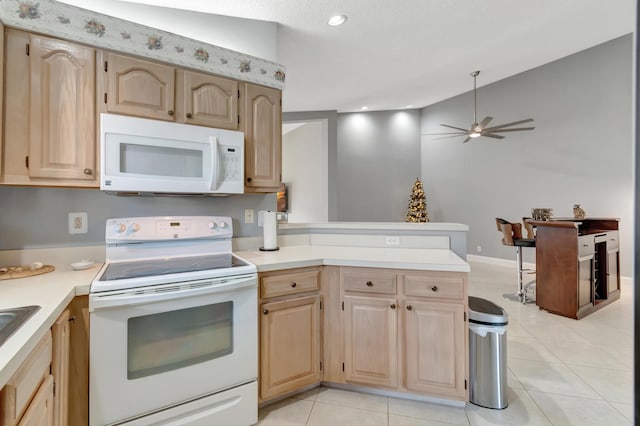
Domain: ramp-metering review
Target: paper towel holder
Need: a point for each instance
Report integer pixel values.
(269, 249)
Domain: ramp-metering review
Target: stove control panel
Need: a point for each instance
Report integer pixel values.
(163, 228)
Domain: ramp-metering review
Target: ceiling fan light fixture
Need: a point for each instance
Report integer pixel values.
(336, 20)
(475, 135)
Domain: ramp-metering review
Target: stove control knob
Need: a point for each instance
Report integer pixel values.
(212, 225)
(223, 225)
(120, 228)
(134, 227)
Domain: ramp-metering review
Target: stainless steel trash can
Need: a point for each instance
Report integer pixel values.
(487, 354)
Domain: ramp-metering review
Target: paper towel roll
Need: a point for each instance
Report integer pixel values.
(269, 226)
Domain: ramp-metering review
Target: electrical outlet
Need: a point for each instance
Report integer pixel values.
(479, 249)
(78, 223)
(392, 240)
(249, 216)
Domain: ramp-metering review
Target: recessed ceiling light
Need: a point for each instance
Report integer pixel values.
(409, 106)
(336, 20)
(364, 107)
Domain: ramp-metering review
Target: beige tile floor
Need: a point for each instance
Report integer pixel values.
(561, 372)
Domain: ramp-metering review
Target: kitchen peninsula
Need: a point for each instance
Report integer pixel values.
(362, 306)
(577, 265)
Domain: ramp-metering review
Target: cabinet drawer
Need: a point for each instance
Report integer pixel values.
(434, 286)
(369, 280)
(19, 390)
(613, 240)
(282, 284)
(586, 246)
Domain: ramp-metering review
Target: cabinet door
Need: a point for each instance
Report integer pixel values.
(138, 87)
(263, 138)
(371, 341)
(206, 100)
(60, 368)
(40, 411)
(62, 113)
(289, 345)
(435, 348)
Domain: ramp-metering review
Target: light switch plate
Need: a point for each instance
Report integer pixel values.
(249, 216)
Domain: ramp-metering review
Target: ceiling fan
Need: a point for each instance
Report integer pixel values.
(480, 129)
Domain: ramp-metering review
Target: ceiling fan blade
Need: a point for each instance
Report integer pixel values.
(448, 133)
(467, 139)
(491, 135)
(485, 121)
(510, 130)
(448, 137)
(454, 127)
(513, 123)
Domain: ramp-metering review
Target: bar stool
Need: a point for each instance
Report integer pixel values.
(512, 236)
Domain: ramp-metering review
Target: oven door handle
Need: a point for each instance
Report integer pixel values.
(163, 293)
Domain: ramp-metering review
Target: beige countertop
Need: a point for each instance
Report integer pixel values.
(54, 291)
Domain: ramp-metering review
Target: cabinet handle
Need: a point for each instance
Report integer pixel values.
(249, 179)
(189, 115)
(434, 288)
(266, 311)
(87, 171)
(393, 306)
(409, 308)
(170, 112)
(369, 284)
(293, 285)
(585, 245)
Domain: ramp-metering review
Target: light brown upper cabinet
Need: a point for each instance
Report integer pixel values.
(207, 100)
(137, 87)
(262, 125)
(49, 135)
(142, 88)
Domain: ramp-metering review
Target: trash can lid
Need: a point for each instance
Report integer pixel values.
(482, 311)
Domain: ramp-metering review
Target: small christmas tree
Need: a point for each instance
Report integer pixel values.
(417, 210)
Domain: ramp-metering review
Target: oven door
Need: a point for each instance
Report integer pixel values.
(157, 347)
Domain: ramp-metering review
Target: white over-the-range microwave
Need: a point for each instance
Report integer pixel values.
(143, 156)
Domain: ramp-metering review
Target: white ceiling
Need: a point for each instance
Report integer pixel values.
(395, 53)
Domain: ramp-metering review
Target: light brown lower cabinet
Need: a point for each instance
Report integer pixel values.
(401, 330)
(37, 393)
(405, 330)
(290, 336)
(33, 378)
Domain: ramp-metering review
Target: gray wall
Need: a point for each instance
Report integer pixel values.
(37, 217)
(581, 151)
(378, 162)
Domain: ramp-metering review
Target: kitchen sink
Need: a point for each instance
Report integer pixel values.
(11, 319)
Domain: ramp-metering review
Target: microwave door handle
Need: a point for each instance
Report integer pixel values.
(213, 176)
